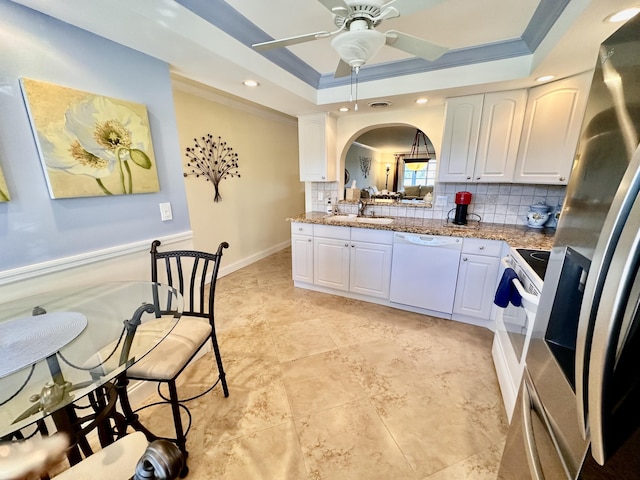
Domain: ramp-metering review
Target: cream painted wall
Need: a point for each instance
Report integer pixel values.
(429, 119)
(251, 215)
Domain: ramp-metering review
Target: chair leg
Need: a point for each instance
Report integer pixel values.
(216, 350)
(181, 439)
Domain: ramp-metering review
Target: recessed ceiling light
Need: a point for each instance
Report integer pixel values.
(344, 109)
(422, 101)
(250, 83)
(545, 78)
(622, 15)
(380, 104)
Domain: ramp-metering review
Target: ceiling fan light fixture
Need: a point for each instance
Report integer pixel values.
(357, 47)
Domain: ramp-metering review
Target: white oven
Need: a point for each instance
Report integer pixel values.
(513, 329)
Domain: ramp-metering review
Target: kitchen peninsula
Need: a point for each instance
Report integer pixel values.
(428, 266)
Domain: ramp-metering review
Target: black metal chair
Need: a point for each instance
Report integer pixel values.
(194, 275)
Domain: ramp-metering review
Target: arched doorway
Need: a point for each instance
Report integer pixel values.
(384, 157)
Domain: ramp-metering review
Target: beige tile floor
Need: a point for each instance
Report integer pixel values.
(323, 387)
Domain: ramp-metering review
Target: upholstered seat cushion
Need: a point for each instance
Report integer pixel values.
(166, 360)
(114, 462)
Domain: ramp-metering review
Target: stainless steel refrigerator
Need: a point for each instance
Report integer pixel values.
(578, 408)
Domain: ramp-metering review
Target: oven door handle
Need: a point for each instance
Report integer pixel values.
(526, 296)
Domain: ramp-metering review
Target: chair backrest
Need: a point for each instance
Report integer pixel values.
(192, 273)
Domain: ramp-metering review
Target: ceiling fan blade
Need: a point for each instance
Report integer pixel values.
(414, 45)
(285, 42)
(407, 7)
(335, 6)
(342, 70)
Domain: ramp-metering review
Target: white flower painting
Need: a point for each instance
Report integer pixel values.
(4, 191)
(90, 145)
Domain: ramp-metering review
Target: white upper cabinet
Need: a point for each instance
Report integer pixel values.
(500, 127)
(551, 131)
(481, 136)
(317, 147)
(460, 138)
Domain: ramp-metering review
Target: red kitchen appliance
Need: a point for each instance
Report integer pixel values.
(463, 199)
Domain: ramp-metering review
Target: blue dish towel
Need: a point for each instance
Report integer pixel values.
(507, 291)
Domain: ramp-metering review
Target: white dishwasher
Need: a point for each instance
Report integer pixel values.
(424, 271)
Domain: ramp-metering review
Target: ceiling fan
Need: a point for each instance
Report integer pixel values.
(357, 40)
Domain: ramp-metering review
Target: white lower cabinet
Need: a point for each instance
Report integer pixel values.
(331, 263)
(302, 252)
(477, 278)
(370, 269)
(353, 259)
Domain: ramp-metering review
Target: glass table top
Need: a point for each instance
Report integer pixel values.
(72, 341)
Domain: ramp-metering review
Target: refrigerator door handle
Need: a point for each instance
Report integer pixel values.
(615, 315)
(611, 230)
(533, 459)
(531, 403)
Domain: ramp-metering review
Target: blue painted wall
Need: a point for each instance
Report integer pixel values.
(35, 228)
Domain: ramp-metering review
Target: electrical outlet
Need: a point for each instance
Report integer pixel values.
(441, 201)
(165, 212)
(320, 196)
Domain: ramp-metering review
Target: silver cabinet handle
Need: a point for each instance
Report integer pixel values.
(478, 178)
(300, 229)
(464, 259)
(469, 178)
(481, 247)
(562, 179)
(346, 244)
(308, 240)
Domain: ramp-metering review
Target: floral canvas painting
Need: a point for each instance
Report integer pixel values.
(89, 144)
(4, 191)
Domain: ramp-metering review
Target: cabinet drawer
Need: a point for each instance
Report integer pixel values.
(328, 231)
(478, 246)
(384, 237)
(301, 228)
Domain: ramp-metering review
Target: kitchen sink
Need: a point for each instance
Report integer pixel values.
(352, 218)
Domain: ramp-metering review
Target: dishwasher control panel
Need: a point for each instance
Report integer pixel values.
(427, 240)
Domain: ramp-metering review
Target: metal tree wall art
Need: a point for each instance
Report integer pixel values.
(365, 165)
(212, 160)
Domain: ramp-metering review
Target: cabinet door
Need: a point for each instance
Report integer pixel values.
(302, 258)
(331, 263)
(551, 131)
(460, 138)
(370, 272)
(500, 128)
(477, 280)
(316, 148)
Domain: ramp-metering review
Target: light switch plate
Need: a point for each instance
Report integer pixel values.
(165, 212)
(320, 196)
(441, 201)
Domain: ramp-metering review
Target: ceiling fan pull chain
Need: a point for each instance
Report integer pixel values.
(356, 70)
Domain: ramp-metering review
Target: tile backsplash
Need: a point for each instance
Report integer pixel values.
(502, 203)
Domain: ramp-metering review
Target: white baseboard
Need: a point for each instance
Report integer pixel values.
(227, 269)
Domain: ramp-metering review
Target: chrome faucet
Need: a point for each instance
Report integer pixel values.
(362, 205)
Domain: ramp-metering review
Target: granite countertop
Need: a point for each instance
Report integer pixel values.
(518, 236)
